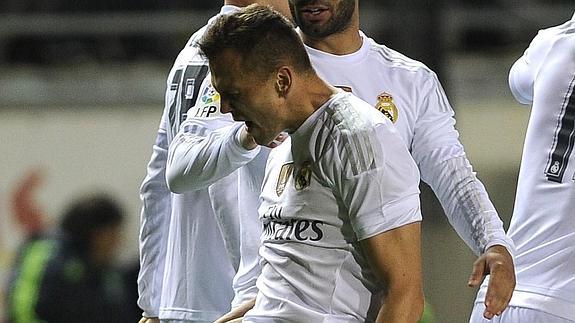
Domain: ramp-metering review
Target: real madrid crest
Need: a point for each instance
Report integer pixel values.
(386, 106)
(303, 176)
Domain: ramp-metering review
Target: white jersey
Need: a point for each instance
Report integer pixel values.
(345, 175)
(410, 94)
(543, 222)
(203, 154)
(180, 278)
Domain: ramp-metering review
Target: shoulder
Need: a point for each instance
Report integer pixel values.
(393, 59)
(353, 126)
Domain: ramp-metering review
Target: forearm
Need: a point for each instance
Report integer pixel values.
(196, 160)
(237, 312)
(465, 201)
(402, 305)
(395, 257)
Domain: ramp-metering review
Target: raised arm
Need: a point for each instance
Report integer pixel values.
(209, 145)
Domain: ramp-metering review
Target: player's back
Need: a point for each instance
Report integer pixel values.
(543, 225)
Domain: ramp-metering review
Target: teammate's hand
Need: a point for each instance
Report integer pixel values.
(236, 314)
(149, 320)
(497, 262)
(279, 139)
(246, 140)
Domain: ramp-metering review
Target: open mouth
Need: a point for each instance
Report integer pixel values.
(314, 11)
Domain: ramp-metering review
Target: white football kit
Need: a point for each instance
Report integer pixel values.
(410, 94)
(405, 91)
(543, 222)
(180, 279)
(343, 176)
(207, 150)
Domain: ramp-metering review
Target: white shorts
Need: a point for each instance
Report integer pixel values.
(513, 314)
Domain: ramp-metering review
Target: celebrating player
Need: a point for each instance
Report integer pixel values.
(340, 200)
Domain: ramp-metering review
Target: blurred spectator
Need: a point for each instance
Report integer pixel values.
(67, 276)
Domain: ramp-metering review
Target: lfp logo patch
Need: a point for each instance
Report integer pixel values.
(210, 95)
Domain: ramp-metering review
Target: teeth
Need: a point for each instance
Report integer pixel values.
(314, 11)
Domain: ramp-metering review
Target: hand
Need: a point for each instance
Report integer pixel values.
(149, 320)
(497, 262)
(246, 140)
(26, 210)
(279, 139)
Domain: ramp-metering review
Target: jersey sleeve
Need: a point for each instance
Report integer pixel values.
(207, 147)
(525, 70)
(378, 182)
(200, 155)
(444, 166)
(156, 198)
(154, 224)
(521, 81)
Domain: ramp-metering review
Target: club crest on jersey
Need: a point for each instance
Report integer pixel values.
(386, 106)
(285, 174)
(303, 176)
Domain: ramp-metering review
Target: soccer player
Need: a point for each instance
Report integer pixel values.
(189, 242)
(543, 222)
(340, 200)
(410, 95)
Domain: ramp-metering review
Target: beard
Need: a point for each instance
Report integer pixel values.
(341, 14)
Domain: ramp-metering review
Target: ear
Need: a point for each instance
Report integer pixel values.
(283, 81)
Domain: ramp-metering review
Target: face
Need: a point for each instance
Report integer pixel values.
(322, 18)
(249, 97)
(105, 243)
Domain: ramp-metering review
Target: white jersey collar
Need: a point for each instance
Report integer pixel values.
(355, 57)
(228, 8)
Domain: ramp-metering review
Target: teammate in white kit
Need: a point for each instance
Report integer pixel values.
(410, 94)
(340, 200)
(543, 222)
(185, 275)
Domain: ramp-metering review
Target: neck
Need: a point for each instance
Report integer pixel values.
(337, 44)
(309, 96)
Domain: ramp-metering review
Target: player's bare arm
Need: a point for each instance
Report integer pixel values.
(395, 256)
